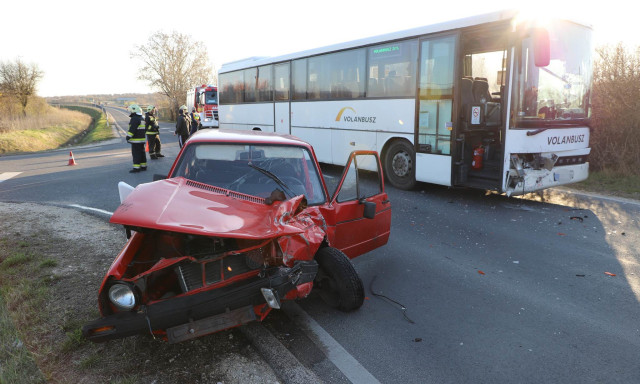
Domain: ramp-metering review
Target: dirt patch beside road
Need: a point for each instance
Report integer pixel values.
(70, 252)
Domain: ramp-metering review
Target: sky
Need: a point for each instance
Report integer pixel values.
(84, 47)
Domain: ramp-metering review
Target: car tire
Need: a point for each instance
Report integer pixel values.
(337, 282)
(399, 165)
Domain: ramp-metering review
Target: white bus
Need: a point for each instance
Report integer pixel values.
(496, 102)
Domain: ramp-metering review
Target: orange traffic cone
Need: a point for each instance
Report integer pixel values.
(72, 161)
(146, 146)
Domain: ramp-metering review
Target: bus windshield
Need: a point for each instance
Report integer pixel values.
(556, 95)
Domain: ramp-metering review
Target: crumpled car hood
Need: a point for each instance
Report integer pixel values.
(181, 205)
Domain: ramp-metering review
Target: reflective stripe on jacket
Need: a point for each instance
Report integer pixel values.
(151, 124)
(136, 131)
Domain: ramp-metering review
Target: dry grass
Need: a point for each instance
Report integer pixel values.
(41, 131)
(611, 183)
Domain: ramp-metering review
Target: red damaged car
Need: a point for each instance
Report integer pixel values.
(243, 221)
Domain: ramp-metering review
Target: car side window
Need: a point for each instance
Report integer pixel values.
(349, 189)
(368, 176)
(362, 179)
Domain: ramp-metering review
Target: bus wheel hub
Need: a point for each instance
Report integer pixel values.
(401, 164)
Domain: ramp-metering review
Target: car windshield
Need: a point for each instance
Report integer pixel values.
(558, 94)
(256, 170)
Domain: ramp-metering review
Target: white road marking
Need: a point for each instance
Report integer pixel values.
(7, 175)
(91, 209)
(342, 359)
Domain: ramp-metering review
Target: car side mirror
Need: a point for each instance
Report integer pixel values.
(369, 209)
(157, 177)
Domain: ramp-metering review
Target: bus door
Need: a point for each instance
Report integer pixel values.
(282, 104)
(435, 117)
(479, 134)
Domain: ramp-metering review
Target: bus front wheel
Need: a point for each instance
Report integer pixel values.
(399, 165)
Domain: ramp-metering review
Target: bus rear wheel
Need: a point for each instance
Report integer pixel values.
(399, 165)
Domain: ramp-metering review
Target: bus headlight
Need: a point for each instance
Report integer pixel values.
(122, 296)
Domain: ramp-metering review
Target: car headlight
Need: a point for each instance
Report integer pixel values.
(122, 296)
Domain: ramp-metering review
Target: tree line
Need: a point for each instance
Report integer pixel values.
(615, 101)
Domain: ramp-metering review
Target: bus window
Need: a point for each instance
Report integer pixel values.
(281, 81)
(392, 69)
(250, 78)
(263, 84)
(232, 86)
(299, 79)
(436, 95)
(337, 75)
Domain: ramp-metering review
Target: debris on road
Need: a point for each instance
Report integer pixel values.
(402, 307)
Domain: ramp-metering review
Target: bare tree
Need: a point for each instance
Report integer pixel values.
(173, 63)
(19, 80)
(615, 135)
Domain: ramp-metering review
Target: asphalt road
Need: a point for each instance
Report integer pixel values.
(92, 182)
(471, 288)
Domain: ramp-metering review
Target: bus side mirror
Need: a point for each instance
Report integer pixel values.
(541, 47)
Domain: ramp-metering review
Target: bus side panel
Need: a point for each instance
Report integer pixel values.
(320, 139)
(347, 125)
(434, 169)
(247, 116)
(282, 117)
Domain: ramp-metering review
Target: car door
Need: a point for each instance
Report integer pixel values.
(362, 209)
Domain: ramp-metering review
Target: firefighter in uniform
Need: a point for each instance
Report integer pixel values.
(195, 121)
(136, 137)
(183, 123)
(153, 133)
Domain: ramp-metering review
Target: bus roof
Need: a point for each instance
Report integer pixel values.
(255, 61)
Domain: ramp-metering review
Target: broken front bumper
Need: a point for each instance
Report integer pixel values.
(205, 312)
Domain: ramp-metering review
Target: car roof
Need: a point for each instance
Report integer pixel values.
(215, 135)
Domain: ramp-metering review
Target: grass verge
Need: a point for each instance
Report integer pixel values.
(611, 183)
(36, 336)
(99, 129)
(56, 128)
(23, 293)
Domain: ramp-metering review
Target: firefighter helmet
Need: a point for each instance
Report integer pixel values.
(135, 108)
(150, 108)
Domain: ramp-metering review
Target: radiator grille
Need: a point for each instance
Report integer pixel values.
(194, 275)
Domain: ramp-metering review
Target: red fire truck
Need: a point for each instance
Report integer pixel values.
(204, 99)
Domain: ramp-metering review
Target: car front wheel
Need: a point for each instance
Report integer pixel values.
(337, 282)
